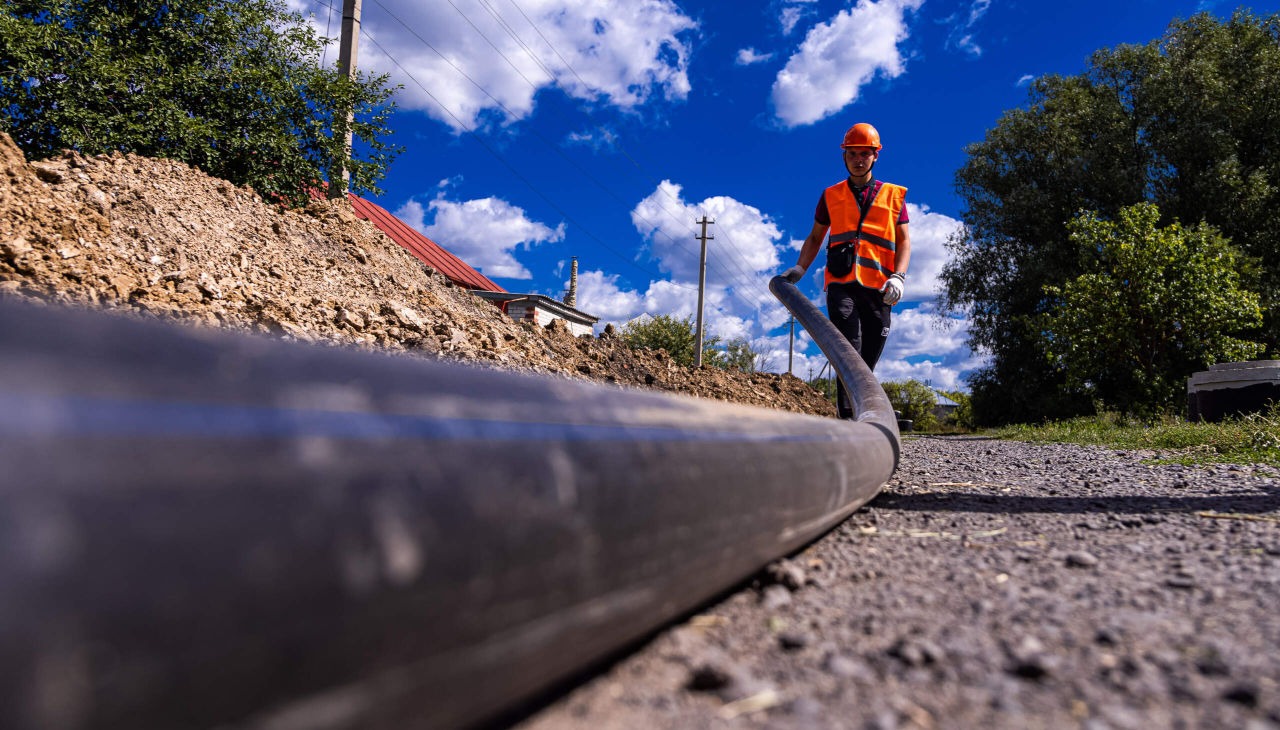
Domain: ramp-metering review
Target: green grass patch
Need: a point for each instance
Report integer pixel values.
(1253, 439)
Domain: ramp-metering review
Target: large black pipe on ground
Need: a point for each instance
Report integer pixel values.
(203, 530)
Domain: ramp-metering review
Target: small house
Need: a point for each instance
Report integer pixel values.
(540, 310)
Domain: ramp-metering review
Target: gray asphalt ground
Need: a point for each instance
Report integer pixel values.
(991, 585)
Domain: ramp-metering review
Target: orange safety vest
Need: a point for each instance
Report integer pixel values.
(872, 240)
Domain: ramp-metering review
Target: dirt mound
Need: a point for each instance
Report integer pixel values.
(159, 238)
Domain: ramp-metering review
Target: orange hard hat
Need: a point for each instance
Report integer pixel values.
(861, 135)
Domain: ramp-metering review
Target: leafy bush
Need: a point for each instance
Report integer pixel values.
(748, 357)
(677, 336)
(915, 401)
(962, 418)
(826, 386)
(1153, 306)
(233, 87)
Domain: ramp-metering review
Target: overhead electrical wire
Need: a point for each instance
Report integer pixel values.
(732, 246)
(499, 157)
(725, 280)
(749, 282)
(746, 277)
(544, 140)
(715, 270)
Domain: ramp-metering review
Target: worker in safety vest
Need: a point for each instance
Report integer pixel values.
(867, 252)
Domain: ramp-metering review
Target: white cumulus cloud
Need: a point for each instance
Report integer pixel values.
(485, 232)
(920, 348)
(748, 56)
(929, 233)
(629, 52)
(838, 57)
(745, 253)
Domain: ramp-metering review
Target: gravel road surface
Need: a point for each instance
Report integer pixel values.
(992, 585)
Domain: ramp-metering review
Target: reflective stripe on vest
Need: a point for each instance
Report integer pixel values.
(876, 235)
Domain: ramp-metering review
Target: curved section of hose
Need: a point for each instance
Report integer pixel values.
(870, 403)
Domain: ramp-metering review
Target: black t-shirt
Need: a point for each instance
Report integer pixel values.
(822, 216)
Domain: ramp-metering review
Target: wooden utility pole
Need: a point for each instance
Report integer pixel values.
(791, 346)
(702, 286)
(348, 51)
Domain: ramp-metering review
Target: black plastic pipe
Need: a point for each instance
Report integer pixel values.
(870, 403)
(206, 530)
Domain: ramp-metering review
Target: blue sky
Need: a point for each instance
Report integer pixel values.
(734, 109)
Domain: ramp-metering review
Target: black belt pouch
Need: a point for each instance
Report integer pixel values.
(840, 259)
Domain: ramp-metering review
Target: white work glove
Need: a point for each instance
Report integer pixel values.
(893, 289)
(794, 274)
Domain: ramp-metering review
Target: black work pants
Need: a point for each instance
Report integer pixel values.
(863, 318)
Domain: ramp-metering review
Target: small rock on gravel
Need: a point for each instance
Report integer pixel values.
(1081, 560)
(794, 640)
(775, 597)
(729, 680)
(787, 573)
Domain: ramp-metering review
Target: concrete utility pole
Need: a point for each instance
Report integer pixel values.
(791, 346)
(702, 286)
(348, 51)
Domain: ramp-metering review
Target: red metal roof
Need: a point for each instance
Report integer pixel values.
(419, 245)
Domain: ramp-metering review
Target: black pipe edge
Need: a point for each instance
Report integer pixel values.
(209, 530)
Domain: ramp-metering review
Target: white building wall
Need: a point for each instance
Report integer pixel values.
(541, 317)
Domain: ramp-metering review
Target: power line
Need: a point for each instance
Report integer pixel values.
(554, 80)
(328, 22)
(510, 31)
(745, 276)
(587, 86)
(535, 132)
(503, 161)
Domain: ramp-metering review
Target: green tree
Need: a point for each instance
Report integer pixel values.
(962, 416)
(677, 336)
(1153, 306)
(1190, 122)
(825, 386)
(748, 357)
(233, 87)
(915, 401)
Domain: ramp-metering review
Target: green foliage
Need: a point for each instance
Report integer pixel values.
(1252, 439)
(677, 336)
(826, 386)
(915, 401)
(233, 87)
(962, 418)
(1152, 306)
(741, 353)
(1188, 122)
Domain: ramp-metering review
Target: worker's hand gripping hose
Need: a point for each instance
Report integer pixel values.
(207, 530)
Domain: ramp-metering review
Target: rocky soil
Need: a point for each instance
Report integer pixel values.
(156, 238)
(992, 585)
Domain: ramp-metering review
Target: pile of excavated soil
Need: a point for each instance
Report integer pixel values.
(161, 239)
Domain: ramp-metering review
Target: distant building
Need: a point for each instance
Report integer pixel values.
(540, 310)
(943, 406)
